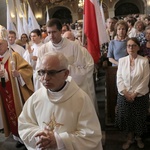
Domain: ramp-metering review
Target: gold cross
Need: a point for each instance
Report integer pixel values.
(52, 124)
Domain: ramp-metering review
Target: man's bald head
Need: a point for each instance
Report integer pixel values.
(3, 46)
(69, 35)
(53, 71)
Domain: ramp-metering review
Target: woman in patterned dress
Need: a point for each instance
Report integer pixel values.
(132, 102)
(145, 48)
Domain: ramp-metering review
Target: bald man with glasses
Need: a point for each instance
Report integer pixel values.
(60, 115)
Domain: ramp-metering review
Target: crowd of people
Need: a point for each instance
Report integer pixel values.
(128, 50)
(58, 71)
(47, 93)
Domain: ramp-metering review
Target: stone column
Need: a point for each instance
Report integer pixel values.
(111, 12)
(74, 17)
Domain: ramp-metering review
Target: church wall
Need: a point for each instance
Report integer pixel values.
(143, 5)
(3, 11)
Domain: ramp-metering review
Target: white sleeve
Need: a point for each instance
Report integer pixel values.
(120, 83)
(27, 125)
(82, 65)
(60, 144)
(21, 81)
(27, 57)
(145, 80)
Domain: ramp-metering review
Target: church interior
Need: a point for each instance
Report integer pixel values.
(71, 11)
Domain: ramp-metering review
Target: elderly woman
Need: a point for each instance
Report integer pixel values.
(132, 102)
(140, 28)
(145, 48)
(117, 47)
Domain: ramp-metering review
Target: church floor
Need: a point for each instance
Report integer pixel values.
(112, 138)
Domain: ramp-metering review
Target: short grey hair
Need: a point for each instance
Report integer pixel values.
(63, 61)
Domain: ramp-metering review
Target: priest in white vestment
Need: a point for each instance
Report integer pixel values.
(60, 115)
(31, 54)
(17, 48)
(90, 63)
(80, 70)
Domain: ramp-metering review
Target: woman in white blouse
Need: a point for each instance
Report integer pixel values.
(132, 102)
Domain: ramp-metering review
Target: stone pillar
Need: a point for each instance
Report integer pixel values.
(74, 17)
(111, 12)
(148, 9)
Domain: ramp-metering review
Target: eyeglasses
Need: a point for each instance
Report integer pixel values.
(131, 46)
(50, 73)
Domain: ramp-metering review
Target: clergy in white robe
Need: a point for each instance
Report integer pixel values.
(28, 55)
(17, 48)
(90, 63)
(60, 115)
(80, 69)
(31, 55)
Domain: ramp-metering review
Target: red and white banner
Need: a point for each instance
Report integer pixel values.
(94, 28)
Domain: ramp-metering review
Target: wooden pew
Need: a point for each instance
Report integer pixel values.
(111, 95)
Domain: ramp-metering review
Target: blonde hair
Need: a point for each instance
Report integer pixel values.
(123, 23)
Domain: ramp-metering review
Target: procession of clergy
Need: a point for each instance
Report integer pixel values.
(61, 118)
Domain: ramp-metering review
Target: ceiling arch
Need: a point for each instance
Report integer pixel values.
(129, 7)
(126, 9)
(62, 13)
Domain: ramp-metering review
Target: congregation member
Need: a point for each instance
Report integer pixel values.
(31, 54)
(133, 97)
(147, 20)
(25, 40)
(116, 19)
(131, 29)
(78, 67)
(65, 28)
(62, 117)
(117, 47)
(43, 32)
(12, 38)
(145, 48)
(15, 86)
(110, 28)
(140, 30)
